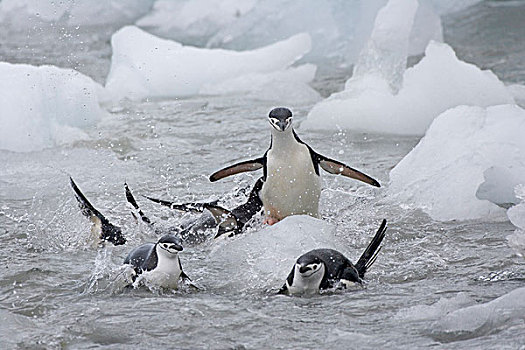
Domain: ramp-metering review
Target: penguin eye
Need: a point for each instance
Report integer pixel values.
(274, 120)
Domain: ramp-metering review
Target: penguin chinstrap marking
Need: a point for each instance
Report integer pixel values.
(292, 183)
(101, 229)
(158, 263)
(322, 269)
(229, 222)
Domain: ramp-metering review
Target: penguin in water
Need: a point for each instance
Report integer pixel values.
(321, 269)
(102, 229)
(228, 221)
(158, 263)
(292, 182)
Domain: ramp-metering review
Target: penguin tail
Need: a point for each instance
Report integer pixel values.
(370, 254)
(102, 228)
(131, 200)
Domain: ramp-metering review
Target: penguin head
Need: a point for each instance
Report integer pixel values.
(280, 118)
(310, 266)
(169, 245)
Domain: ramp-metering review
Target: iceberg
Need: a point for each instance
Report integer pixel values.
(263, 259)
(45, 106)
(442, 174)
(192, 22)
(383, 97)
(25, 13)
(144, 66)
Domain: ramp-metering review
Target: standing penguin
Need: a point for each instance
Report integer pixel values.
(292, 183)
(158, 263)
(327, 268)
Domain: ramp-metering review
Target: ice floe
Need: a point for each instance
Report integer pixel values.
(442, 174)
(145, 66)
(383, 97)
(45, 106)
(484, 318)
(263, 259)
(516, 215)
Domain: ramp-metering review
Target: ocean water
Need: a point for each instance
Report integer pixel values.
(58, 291)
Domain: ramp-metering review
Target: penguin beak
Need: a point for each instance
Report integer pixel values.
(303, 269)
(178, 247)
(282, 125)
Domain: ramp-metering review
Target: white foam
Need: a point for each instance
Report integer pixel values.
(443, 172)
(45, 106)
(145, 66)
(263, 259)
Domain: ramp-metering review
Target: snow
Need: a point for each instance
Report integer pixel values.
(441, 175)
(263, 259)
(382, 96)
(145, 66)
(45, 106)
(192, 21)
(24, 13)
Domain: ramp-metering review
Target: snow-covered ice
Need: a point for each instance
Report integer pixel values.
(23, 13)
(145, 66)
(383, 97)
(45, 106)
(263, 259)
(441, 175)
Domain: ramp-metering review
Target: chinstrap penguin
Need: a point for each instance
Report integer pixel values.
(292, 183)
(102, 229)
(158, 263)
(321, 269)
(232, 221)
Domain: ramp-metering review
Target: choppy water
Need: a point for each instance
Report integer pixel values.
(56, 290)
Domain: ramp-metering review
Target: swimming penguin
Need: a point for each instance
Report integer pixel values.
(228, 221)
(102, 229)
(321, 269)
(292, 183)
(158, 263)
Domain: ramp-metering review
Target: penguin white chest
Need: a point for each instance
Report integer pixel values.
(309, 285)
(292, 187)
(166, 274)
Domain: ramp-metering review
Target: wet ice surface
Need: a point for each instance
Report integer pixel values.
(430, 282)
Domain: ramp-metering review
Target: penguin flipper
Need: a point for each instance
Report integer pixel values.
(102, 228)
(131, 200)
(370, 254)
(187, 207)
(248, 165)
(335, 167)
